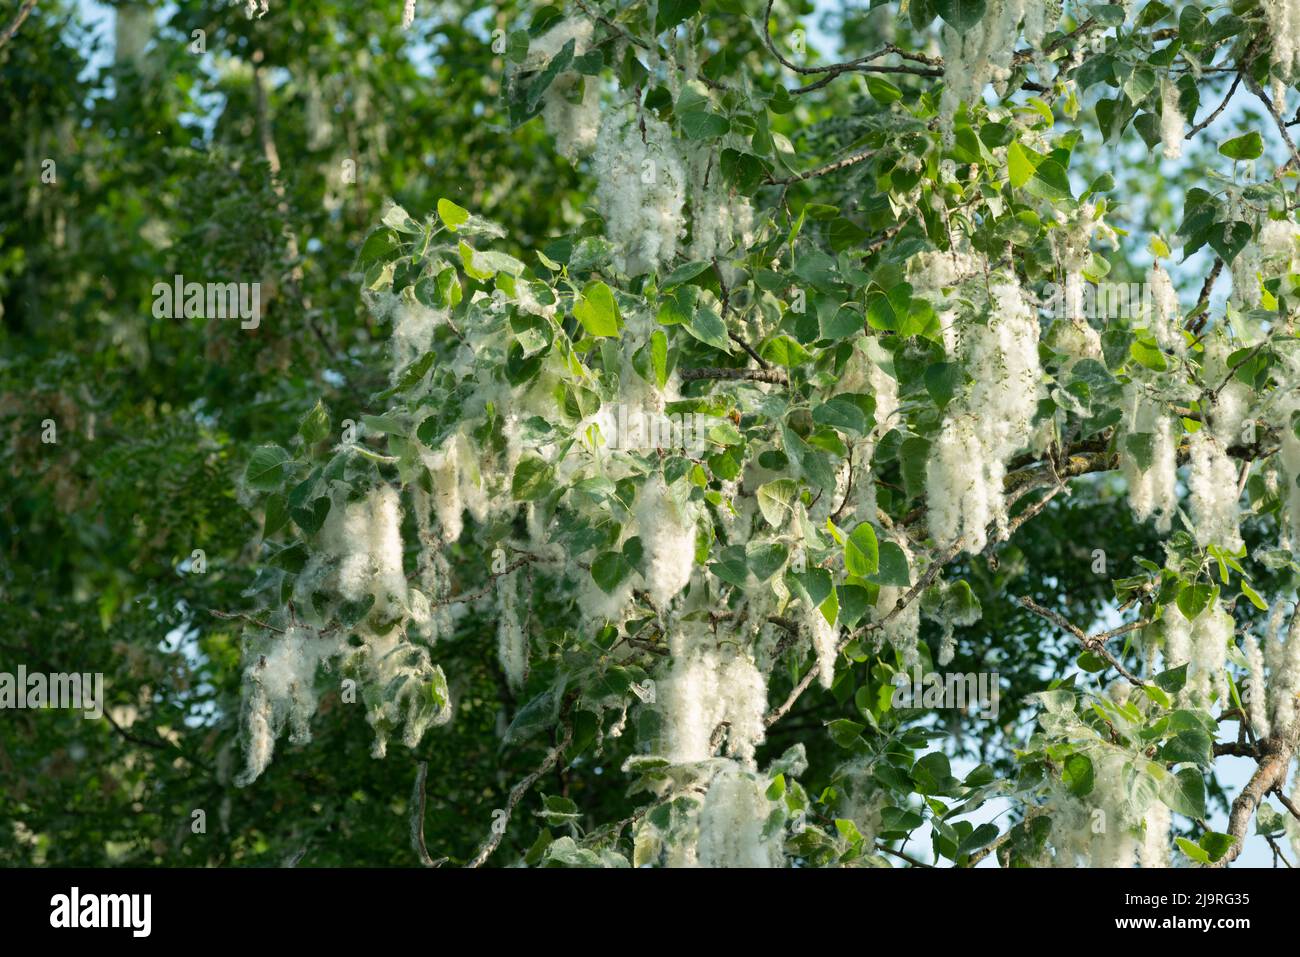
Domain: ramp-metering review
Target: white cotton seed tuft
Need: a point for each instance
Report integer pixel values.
(1178, 637)
(1154, 850)
(366, 536)
(985, 425)
(1214, 499)
(542, 49)
(1282, 655)
(512, 640)
(413, 327)
(1171, 121)
(667, 531)
(448, 506)
(720, 221)
(825, 641)
(1255, 691)
(705, 687)
(259, 736)
(280, 690)
(1153, 491)
(640, 191)
(1165, 319)
(1283, 17)
(573, 122)
(734, 828)
(982, 53)
(386, 548)
(1212, 632)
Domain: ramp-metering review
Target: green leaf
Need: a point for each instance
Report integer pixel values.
(315, 425)
(1173, 680)
(1020, 168)
(1078, 774)
(960, 14)
(707, 326)
(774, 500)
(1193, 599)
(765, 560)
(1194, 851)
(609, 570)
(266, 468)
(882, 91)
(1249, 146)
(941, 381)
(659, 357)
(452, 216)
(861, 551)
(597, 311)
(1184, 792)
(1215, 844)
(845, 732)
(704, 126)
(672, 12)
(532, 479)
(893, 568)
(1145, 351)
(841, 412)
(784, 351)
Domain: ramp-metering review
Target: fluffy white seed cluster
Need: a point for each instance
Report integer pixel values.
(1153, 491)
(982, 54)
(366, 535)
(1212, 482)
(667, 529)
(1282, 657)
(1254, 693)
(571, 116)
(1109, 828)
(951, 611)
(1283, 18)
(280, 690)
(707, 685)
(458, 486)
(1171, 121)
(512, 639)
(1153, 852)
(720, 220)
(403, 678)
(1202, 645)
(1271, 253)
(734, 823)
(985, 425)
(864, 373)
(1072, 246)
(640, 191)
(1165, 318)
(825, 639)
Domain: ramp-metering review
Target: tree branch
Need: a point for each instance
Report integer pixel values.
(516, 795)
(17, 22)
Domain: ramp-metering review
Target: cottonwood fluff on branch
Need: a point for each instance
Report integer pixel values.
(986, 424)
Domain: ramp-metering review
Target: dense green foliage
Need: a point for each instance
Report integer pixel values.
(445, 275)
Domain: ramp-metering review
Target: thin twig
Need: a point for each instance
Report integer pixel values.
(516, 795)
(10, 30)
